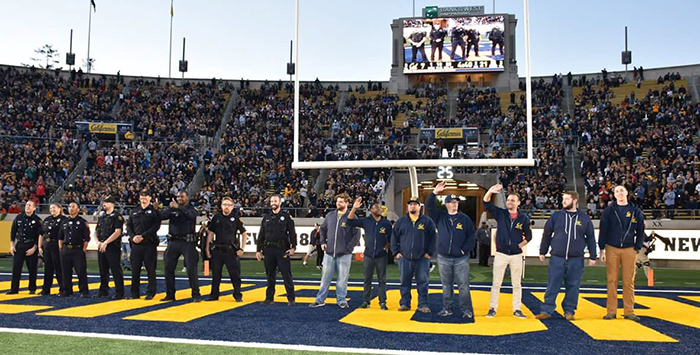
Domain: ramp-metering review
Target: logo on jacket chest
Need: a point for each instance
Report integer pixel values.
(578, 223)
(343, 224)
(459, 226)
(382, 230)
(519, 226)
(629, 214)
(421, 226)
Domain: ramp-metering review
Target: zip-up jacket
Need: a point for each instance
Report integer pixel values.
(509, 232)
(455, 236)
(569, 234)
(414, 239)
(338, 235)
(621, 231)
(377, 234)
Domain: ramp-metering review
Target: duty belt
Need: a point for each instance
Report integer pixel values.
(182, 237)
(27, 241)
(277, 244)
(49, 240)
(72, 246)
(224, 247)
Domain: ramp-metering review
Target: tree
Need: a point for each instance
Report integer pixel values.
(47, 57)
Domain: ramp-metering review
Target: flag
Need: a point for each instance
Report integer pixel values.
(94, 8)
(171, 8)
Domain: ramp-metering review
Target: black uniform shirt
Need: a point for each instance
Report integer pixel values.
(51, 226)
(226, 228)
(107, 224)
(276, 227)
(74, 231)
(26, 229)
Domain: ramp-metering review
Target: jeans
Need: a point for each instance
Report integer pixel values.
(455, 270)
(330, 264)
(369, 265)
(570, 271)
(408, 268)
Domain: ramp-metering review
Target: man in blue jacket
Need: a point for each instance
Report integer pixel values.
(621, 237)
(455, 241)
(377, 238)
(512, 234)
(568, 232)
(338, 239)
(413, 244)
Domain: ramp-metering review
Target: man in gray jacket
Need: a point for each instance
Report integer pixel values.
(338, 239)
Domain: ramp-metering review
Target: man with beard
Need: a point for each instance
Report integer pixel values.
(224, 248)
(338, 239)
(277, 240)
(568, 232)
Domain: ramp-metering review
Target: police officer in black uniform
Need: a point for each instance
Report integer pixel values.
(437, 41)
(417, 41)
(24, 237)
(143, 225)
(224, 248)
(182, 240)
(457, 38)
(472, 42)
(496, 38)
(109, 248)
(48, 249)
(277, 240)
(73, 238)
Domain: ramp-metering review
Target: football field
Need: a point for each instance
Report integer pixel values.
(31, 323)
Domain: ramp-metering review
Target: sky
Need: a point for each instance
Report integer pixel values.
(348, 40)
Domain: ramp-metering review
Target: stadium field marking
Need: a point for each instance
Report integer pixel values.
(297, 347)
(505, 286)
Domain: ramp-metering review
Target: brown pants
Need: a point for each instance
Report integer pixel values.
(616, 257)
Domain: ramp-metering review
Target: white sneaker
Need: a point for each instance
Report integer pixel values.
(303, 263)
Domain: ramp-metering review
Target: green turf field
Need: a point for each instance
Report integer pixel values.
(535, 273)
(45, 344)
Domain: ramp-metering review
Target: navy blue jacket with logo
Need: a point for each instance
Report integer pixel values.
(621, 231)
(510, 232)
(338, 235)
(455, 232)
(377, 235)
(414, 239)
(569, 233)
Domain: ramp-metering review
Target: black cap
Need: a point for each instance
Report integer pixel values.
(483, 222)
(145, 192)
(413, 200)
(109, 199)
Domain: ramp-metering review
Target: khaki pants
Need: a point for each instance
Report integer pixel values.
(500, 262)
(616, 257)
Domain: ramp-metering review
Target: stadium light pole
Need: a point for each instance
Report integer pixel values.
(296, 84)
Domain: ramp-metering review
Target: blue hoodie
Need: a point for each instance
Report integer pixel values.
(569, 233)
(340, 238)
(509, 232)
(455, 232)
(413, 239)
(621, 227)
(377, 235)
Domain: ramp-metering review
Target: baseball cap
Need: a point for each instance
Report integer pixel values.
(413, 200)
(109, 199)
(451, 198)
(145, 192)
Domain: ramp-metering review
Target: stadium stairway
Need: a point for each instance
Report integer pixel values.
(78, 169)
(214, 146)
(568, 100)
(693, 88)
(452, 96)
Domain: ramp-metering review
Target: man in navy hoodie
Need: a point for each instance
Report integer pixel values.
(512, 234)
(568, 232)
(621, 237)
(455, 241)
(377, 237)
(413, 244)
(338, 239)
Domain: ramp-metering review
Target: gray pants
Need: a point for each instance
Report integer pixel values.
(369, 264)
(455, 270)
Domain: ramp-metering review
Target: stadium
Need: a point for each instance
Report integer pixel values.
(461, 143)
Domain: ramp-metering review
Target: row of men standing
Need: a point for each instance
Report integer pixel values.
(62, 242)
